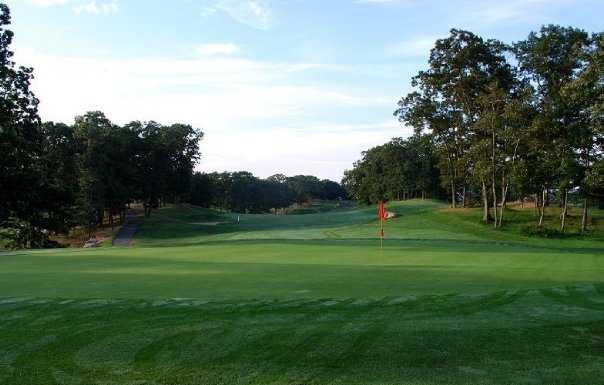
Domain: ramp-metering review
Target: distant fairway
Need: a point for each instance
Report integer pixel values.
(309, 299)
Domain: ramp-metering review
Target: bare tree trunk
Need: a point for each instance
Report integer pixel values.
(584, 217)
(504, 193)
(485, 204)
(495, 214)
(505, 183)
(493, 180)
(453, 204)
(542, 211)
(463, 202)
(564, 211)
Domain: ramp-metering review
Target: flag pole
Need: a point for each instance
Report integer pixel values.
(382, 217)
(382, 234)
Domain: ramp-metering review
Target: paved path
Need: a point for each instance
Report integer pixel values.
(126, 233)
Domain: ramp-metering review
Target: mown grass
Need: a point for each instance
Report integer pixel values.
(309, 299)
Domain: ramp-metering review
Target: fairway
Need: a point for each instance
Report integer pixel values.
(309, 299)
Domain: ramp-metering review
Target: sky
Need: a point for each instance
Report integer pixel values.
(277, 86)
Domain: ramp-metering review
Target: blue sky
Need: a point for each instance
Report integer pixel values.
(298, 87)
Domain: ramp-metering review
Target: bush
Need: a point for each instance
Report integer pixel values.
(18, 234)
(544, 232)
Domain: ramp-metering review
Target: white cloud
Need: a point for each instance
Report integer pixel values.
(231, 99)
(48, 3)
(494, 11)
(321, 149)
(253, 13)
(484, 12)
(217, 49)
(97, 8)
(93, 7)
(417, 47)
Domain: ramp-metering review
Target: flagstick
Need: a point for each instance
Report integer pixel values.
(382, 234)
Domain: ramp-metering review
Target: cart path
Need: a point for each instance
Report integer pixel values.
(125, 235)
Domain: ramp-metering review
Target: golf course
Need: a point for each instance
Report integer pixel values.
(309, 299)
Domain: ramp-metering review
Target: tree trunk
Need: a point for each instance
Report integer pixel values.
(584, 217)
(564, 212)
(493, 177)
(542, 211)
(485, 204)
(463, 199)
(495, 215)
(453, 205)
(504, 193)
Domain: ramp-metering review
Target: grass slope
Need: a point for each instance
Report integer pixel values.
(309, 299)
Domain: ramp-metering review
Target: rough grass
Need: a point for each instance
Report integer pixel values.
(309, 299)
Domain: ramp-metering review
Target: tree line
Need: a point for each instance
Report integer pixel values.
(523, 120)
(243, 192)
(397, 170)
(55, 176)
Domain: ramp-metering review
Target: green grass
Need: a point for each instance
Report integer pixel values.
(310, 299)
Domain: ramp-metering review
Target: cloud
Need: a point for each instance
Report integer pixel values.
(387, 2)
(93, 7)
(48, 3)
(232, 100)
(484, 12)
(206, 91)
(253, 13)
(413, 48)
(320, 148)
(97, 8)
(217, 49)
(490, 12)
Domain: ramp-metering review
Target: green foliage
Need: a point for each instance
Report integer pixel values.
(243, 192)
(397, 170)
(20, 138)
(17, 234)
(501, 130)
(545, 232)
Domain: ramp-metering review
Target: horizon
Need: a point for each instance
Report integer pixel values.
(276, 88)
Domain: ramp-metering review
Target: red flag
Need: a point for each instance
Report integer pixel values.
(381, 211)
(382, 218)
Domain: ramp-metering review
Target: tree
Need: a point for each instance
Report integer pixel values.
(399, 169)
(586, 94)
(167, 157)
(551, 59)
(20, 142)
(448, 103)
(60, 176)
